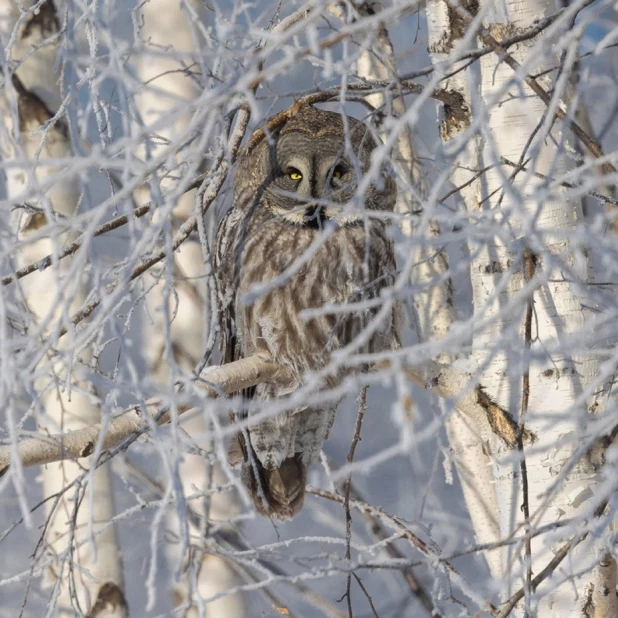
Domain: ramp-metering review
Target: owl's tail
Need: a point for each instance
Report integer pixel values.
(280, 491)
(277, 491)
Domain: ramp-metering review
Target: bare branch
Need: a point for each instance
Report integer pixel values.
(74, 445)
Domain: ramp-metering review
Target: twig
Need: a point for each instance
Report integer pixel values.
(491, 419)
(367, 595)
(104, 228)
(560, 555)
(591, 144)
(414, 540)
(563, 183)
(528, 269)
(391, 14)
(231, 541)
(362, 407)
(377, 530)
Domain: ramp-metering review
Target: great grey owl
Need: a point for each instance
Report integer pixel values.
(295, 226)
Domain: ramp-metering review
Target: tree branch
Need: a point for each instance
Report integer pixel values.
(427, 549)
(104, 228)
(559, 556)
(81, 443)
(603, 597)
(439, 379)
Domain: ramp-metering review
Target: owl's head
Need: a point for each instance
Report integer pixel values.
(310, 170)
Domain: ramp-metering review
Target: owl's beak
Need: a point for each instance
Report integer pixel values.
(315, 215)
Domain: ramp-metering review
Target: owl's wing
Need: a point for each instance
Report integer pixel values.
(226, 285)
(226, 265)
(382, 274)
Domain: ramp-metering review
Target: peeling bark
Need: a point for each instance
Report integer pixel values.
(109, 603)
(603, 602)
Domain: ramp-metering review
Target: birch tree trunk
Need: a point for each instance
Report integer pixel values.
(435, 311)
(176, 332)
(469, 452)
(85, 569)
(525, 346)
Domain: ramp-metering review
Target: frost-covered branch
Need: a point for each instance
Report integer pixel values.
(233, 377)
(81, 443)
(119, 150)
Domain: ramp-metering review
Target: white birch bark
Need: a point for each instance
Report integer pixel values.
(469, 453)
(171, 25)
(508, 113)
(433, 305)
(85, 553)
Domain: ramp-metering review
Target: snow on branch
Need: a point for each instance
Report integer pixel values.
(508, 171)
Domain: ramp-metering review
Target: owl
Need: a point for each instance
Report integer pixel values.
(298, 237)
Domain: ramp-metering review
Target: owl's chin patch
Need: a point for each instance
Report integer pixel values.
(311, 219)
(342, 217)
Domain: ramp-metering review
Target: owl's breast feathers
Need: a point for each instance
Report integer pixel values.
(300, 269)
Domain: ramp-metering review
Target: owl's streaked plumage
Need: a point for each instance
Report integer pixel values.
(292, 225)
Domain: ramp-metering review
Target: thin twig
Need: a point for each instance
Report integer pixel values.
(528, 268)
(377, 530)
(414, 540)
(367, 596)
(569, 185)
(560, 555)
(232, 542)
(362, 407)
(104, 228)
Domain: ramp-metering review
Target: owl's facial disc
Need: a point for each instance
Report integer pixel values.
(309, 172)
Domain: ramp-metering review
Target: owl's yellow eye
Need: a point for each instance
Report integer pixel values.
(295, 175)
(338, 172)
